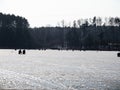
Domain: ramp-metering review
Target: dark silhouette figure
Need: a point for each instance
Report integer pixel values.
(118, 54)
(24, 51)
(20, 52)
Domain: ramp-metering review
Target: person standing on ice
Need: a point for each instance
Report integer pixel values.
(19, 52)
(24, 51)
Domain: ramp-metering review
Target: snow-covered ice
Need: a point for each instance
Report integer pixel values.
(60, 70)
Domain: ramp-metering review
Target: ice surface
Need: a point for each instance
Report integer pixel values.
(60, 70)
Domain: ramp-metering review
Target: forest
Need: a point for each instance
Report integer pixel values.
(84, 34)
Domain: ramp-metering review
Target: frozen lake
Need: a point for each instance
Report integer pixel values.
(60, 70)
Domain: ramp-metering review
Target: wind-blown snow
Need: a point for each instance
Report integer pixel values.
(60, 70)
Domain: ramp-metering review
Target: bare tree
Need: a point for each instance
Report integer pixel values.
(98, 21)
(74, 24)
(63, 23)
(111, 21)
(79, 23)
(94, 21)
(117, 21)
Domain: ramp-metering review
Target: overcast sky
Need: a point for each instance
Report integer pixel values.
(44, 12)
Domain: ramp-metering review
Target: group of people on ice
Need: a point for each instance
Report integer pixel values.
(22, 51)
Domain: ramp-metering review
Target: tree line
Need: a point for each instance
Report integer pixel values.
(14, 31)
(84, 34)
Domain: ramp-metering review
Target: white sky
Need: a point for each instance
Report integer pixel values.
(44, 12)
